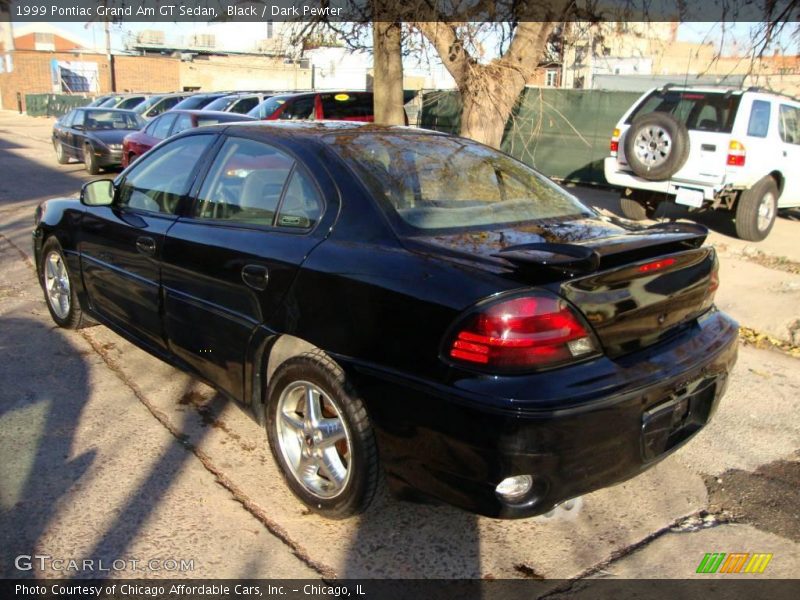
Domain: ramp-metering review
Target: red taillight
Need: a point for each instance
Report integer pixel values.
(614, 146)
(528, 331)
(736, 154)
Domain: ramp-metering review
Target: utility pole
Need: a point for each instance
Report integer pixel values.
(110, 57)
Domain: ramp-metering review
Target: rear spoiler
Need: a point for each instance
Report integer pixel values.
(580, 258)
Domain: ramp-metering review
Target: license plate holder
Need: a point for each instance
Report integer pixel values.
(689, 197)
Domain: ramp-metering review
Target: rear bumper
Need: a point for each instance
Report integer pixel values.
(626, 179)
(574, 430)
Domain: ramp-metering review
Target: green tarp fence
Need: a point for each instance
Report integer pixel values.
(52, 105)
(564, 134)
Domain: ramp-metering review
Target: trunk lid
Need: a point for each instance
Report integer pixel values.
(635, 285)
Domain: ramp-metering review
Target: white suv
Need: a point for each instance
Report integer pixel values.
(709, 147)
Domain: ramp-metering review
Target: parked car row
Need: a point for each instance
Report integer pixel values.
(139, 121)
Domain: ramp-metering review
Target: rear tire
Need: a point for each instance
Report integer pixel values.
(756, 209)
(327, 452)
(632, 209)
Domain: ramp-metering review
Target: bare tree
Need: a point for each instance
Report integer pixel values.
(490, 90)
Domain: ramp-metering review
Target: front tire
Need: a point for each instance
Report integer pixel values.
(59, 290)
(90, 160)
(321, 437)
(61, 156)
(756, 210)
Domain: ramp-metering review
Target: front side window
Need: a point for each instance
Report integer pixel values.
(759, 119)
(268, 107)
(789, 124)
(66, 120)
(254, 183)
(440, 182)
(157, 182)
(77, 120)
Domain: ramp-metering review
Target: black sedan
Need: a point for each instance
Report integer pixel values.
(94, 136)
(397, 300)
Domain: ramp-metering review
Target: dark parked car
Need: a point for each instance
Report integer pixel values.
(124, 101)
(396, 299)
(169, 124)
(94, 136)
(198, 101)
(332, 106)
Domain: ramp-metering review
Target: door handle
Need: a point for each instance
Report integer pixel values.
(255, 276)
(146, 245)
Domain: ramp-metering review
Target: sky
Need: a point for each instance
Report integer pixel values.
(240, 36)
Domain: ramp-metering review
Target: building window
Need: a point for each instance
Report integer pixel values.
(44, 41)
(551, 78)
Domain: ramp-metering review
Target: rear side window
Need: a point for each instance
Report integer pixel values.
(161, 130)
(299, 109)
(759, 119)
(346, 106)
(183, 123)
(789, 124)
(245, 183)
(699, 111)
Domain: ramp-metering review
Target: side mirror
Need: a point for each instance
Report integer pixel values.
(98, 193)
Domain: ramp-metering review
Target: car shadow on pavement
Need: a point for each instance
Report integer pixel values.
(400, 539)
(25, 180)
(39, 414)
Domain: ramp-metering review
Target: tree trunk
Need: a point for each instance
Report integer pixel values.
(388, 74)
(490, 91)
(488, 101)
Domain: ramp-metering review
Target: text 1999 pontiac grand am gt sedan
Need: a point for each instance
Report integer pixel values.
(400, 301)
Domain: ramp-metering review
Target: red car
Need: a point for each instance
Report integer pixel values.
(316, 106)
(168, 124)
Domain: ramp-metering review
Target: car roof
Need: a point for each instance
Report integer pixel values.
(314, 129)
(101, 109)
(206, 113)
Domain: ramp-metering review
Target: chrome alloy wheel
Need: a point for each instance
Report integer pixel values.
(56, 282)
(766, 211)
(652, 146)
(313, 439)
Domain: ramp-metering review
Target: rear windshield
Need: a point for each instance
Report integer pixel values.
(699, 111)
(221, 103)
(98, 120)
(432, 183)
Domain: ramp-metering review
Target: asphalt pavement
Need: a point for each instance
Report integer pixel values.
(106, 453)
